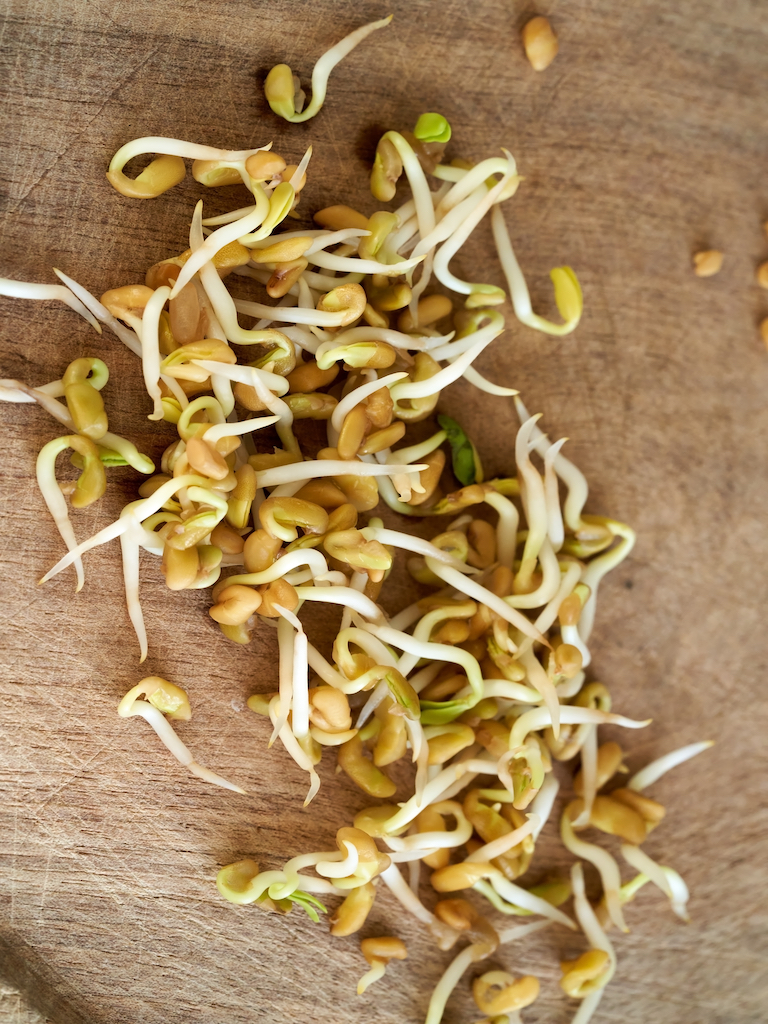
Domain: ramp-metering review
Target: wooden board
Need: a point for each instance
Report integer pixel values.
(644, 141)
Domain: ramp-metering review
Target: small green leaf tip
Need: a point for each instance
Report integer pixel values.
(464, 457)
(432, 128)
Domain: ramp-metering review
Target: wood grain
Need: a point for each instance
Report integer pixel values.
(645, 140)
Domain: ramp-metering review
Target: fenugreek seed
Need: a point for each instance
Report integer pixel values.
(211, 174)
(453, 632)
(308, 377)
(360, 491)
(352, 432)
(342, 518)
(384, 947)
(337, 218)
(260, 550)
(707, 263)
(413, 410)
(280, 517)
(289, 172)
(494, 736)
(379, 408)
(313, 406)
(163, 173)
(264, 165)
(570, 611)
(348, 299)
(374, 317)
(380, 225)
(380, 440)
(582, 976)
(764, 331)
(350, 546)
(609, 757)
(284, 277)
(247, 396)
(130, 296)
(762, 275)
(235, 605)
(204, 459)
(329, 709)
(224, 537)
(540, 43)
(429, 478)
(86, 406)
(440, 689)
(443, 748)
(271, 461)
(163, 273)
(393, 737)
(180, 566)
(284, 251)
(350, 916)
(617, 819)
(151, 484)
(429, 311)
(184, 312)
(324, 493)
(391, 297)
(237, 634)
(651, 811)
(497, 992)
(458, 876)
(387, 168)
(457, 913)
(363, 772)
(278, 593)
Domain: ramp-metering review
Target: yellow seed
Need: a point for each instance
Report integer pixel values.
(324, 493)
(583, 975)
(264, 165)
(180, 566)
(329, 709)
(278, 593)
(374, 317)
(163, 273)
(284, 251)
(284, 277)
(387, 168)
(313, 406)
(494, 736)
(762, 274)
(540, 43)
(352, 432)
(393, 737)
(379, 408)
(151, 484)
(351, 547)
(211, 174)
(225, 538)
(412, 410)
(383, 947)
(130, 296)
(348, 299)
(337, 218)
(235, 605)
(350, 916)
(651, 811)
(429, 311)
(440, 689)
(237, 634)
(453, 632)
(204, 459)
(86, 406)
(163, 173)
(609, 756)
(617, 819)
(707, 263)
(380, 225)
(497, 992)
(764, 331)
(308, 377)
(260, 550)
(429, 478)
(247, 396)
(184, 313)
(443, 748)
(482, 540)
(232, 255)
(458, 876)
(380, 440)
(390, 297)
(457, 913)
(280, 517)
(362, 771)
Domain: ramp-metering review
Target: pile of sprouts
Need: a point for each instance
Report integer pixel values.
(482, 682)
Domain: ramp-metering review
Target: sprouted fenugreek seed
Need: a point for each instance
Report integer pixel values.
(482, 684)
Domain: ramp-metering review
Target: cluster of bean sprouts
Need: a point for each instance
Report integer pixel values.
(482, 682)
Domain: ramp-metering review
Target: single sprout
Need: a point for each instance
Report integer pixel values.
(378, 952)
(280, 87)
(28, 290)
(654, 771)
(164, 698)
(568, 296)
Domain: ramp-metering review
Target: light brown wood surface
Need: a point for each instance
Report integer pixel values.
(645, 140)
